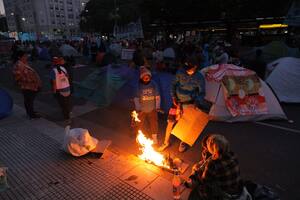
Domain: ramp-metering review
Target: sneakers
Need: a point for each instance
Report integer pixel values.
(154, 138)
(182, 147)
(163, 147)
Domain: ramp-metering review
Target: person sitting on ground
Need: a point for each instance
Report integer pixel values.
(198, 168)
(219, 175)
(188, 88)
(205, 155)
(147, 102)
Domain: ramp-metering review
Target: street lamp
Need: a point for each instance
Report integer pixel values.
(23, 19)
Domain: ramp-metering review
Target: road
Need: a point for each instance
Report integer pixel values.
(268, 151)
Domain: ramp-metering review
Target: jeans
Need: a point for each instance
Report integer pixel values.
(65, 104)
(151, 117)
(29, 96)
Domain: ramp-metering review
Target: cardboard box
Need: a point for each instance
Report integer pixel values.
(190, 125)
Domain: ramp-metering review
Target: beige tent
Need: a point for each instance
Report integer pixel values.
(216, 93)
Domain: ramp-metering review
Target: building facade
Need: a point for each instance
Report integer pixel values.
(55, 17)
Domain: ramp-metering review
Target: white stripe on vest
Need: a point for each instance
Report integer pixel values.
(61, 80)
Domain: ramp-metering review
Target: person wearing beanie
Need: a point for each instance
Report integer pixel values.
(147, 102)
(188, 88)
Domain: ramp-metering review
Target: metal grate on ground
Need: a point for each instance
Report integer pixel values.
(39, 169)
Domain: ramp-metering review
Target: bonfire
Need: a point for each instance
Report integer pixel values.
(149, 154)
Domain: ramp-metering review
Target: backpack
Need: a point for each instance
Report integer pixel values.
(62, 81)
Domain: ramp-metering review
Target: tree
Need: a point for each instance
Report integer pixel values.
(101, 15)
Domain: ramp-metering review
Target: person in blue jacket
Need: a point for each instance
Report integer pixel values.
(147, 102)
(188, 88)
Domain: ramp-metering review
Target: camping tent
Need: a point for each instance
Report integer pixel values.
(284, 79)
(235, 83)
(272, 51)
(102, 85)
(278, 49)
(67, 50)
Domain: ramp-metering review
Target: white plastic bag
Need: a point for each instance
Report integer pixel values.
(78, 141)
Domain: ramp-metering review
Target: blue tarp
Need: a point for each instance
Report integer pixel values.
(102, 85)
(6, 104)
(117, 84)
(44, 54)
(164, 81)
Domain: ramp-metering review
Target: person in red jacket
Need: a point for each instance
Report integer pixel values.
(29, 82)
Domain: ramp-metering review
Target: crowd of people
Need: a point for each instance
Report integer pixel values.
(30, 84)
(217, 175)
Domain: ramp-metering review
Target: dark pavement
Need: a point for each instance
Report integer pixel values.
(268, 154)
(39, 169)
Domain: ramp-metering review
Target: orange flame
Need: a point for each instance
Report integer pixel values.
(135, 116)
(148, 153)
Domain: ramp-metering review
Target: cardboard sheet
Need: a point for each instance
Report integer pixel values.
(190, 125)
(101, 146)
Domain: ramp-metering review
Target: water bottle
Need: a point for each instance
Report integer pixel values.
(3, 179)
(176, 184)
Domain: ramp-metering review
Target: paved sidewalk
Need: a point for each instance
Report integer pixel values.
(39, 169)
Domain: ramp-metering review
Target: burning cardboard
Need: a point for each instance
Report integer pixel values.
(150, 155)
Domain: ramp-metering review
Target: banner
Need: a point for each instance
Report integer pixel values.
(133, 30)
(127, 54)
(217, 72)
(243, 95)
